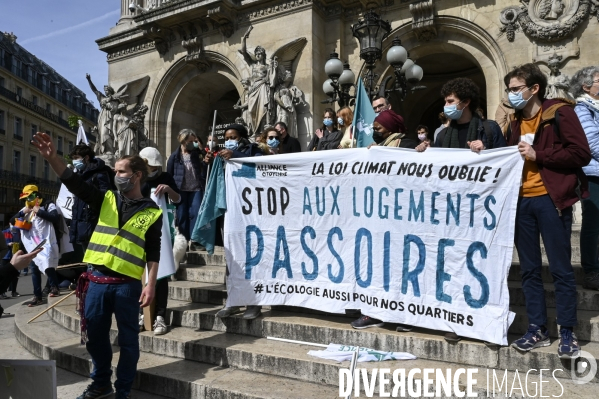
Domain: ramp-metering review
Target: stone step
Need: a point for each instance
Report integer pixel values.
(421, 342)
(163, 375)
(259, 354)
(586, 299)
(514, 274)
(192, 291)
(574, 259)
(202, 274)
(586, 330)
(202, 258)
(217, 294)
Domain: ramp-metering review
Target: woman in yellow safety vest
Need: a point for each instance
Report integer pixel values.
(125, 241)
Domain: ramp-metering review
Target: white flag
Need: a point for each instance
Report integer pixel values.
(81, 137)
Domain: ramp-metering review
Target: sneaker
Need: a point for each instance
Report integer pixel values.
(251, 312)
(535, 337)
(3, 296)
(366, 322)
(568, 347)
(403, 328)
(142, 328)
(122, 395)
(45, 291)
(226, 312)
(15, 294)
(35, 301)
(452, 337)
(159, 326)
(54, 292)
(591, 281)
(93, 392)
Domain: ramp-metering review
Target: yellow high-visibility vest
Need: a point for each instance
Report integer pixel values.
(121, 250)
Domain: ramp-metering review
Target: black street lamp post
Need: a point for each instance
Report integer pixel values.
(370, 31)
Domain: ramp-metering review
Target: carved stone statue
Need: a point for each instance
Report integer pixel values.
(120, 123)
(286, 98)
(551, 9)
(242, 104)
(266, 80)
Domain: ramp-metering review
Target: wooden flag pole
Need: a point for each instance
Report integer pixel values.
(41, 313)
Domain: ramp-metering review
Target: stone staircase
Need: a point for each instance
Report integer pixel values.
(206, 357)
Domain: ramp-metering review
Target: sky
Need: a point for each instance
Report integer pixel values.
(63, 34)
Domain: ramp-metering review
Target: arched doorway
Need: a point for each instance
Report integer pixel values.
(198, 99)
(460, 49)
(186, 97)
(424, 106)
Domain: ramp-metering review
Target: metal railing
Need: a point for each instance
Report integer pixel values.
(23, 179)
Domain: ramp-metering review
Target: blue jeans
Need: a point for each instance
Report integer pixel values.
(188, 210)
(36, 278)
(101, 302)
(589, 231)
(538, 215)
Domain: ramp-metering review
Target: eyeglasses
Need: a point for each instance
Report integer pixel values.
(377, 107)
(515, 89)
(273, 137)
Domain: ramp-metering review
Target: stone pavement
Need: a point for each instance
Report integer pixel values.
(70, 385)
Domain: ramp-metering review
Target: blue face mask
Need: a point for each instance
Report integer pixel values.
(452, 111)
(327, 122)
(231, 144)
(196, 144)
(273, 143)
(340, 121)
(516, 99)
(78, 164)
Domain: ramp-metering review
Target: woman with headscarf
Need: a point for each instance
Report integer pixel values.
(389, 131)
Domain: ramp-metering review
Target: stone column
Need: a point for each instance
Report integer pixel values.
(126, 15)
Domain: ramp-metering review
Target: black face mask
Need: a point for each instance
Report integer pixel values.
(377, 137)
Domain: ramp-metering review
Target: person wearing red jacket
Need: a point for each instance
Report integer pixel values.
(551, 139)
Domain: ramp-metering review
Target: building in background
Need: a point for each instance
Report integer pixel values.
(190, 51)
(33, 97)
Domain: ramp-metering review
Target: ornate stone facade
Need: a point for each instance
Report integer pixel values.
(189, 49)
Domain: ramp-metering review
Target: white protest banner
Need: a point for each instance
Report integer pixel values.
(166, 266)
(423, 239)
(65, 202)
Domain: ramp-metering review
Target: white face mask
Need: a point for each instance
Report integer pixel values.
(422, 137)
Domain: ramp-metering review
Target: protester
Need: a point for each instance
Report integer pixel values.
(187, 165)
(44, 218)
(422, 132)
(238, 146)
(585, 88)
(288, 144)
(10, 270)
(444, 123)
(95, 172)
(119, 250)
(466, 129)
(272, 139)
(502, 114)
(551, 139)
(7, 247)
(389, 131)
(380, 104)
(212, 145)
(328, 136)
(164, 184)
(345, 118)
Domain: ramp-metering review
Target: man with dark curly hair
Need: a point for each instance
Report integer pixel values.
(467, 129)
